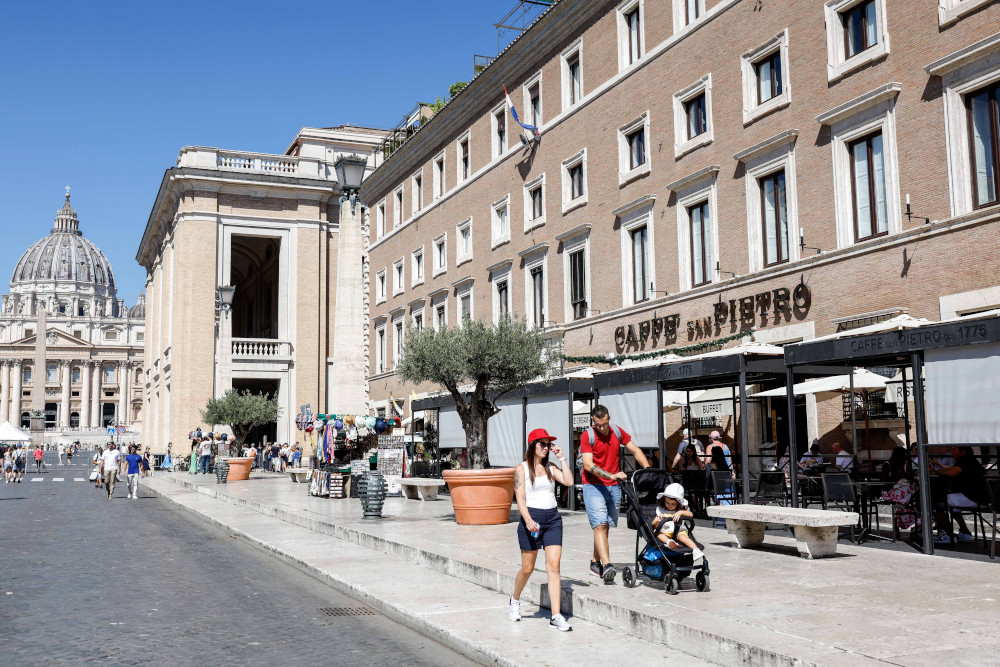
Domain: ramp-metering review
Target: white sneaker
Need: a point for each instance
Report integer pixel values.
(697, 554)
(559, 623)
(514, 610)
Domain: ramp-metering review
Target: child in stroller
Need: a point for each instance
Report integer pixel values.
(670, 553)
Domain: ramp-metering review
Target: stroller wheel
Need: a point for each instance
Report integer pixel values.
(628, 577)
(702, 582)
(671, 585)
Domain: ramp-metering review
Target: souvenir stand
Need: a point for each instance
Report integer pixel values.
(954, 367)
(339, 444)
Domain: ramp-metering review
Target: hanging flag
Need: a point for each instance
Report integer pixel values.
(513, 112)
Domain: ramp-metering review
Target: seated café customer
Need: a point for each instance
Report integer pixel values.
(812, 457)
(899, 465)
(845, 460)
(966, 491)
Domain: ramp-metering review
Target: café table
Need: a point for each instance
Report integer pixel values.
(863, 493)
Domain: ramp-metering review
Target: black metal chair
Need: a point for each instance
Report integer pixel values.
(771, 489)
(991, 487)
(838, 493)
(723, 489)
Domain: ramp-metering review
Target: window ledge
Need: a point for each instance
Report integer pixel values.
(417, 283)
(462, 260)
(438, 272)
(397, 292)
(500, 242)
(769, 107)
(840, 70)
(948, 15)
(380, 300)
(533, 224)
(574, 204)
(703, 139)
(630, 176)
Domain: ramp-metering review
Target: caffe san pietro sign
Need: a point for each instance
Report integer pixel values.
(727, 317)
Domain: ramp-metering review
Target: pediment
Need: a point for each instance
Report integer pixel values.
(56, 338)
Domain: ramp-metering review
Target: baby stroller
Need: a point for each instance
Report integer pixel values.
(656, 560)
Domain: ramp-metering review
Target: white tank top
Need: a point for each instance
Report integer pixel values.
(542, 494)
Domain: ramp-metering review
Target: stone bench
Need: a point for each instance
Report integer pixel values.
(815, 530)
(300, 475)
(421, 488)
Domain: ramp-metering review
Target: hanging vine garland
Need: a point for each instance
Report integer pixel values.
(616, 360)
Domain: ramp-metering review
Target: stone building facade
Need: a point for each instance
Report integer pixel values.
(269, 225)
(703, 169)
(93, 343)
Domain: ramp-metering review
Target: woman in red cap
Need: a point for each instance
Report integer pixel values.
(541, 524)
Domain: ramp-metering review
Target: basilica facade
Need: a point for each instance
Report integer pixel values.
(92, 344)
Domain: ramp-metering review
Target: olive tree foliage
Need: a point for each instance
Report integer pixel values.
(242, 411)
(493, 360)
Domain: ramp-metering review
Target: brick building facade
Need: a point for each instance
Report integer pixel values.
(692, 153)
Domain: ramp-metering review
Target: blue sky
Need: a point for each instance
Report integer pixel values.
(101, 95)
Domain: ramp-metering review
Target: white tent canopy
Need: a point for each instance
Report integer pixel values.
(10, 433)
(829, 387)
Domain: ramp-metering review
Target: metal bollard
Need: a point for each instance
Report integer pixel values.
(371, 490)
(221, 470)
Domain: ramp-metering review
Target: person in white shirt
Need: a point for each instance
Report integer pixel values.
(206, 455)
(845, 460)
(62, 450)
(96, 460)
(110, 461)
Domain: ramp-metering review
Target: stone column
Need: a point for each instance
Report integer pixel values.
(95, 397)
(85, 394)
(67, 372)
(122, 386)
(4, 391)
(15, 392)
(349, 364)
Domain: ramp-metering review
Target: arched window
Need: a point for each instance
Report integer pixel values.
(52, 373)
(74, 419)
(109, 374)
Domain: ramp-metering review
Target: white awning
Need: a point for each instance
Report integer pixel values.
(829, 387)
(505, 433)
(451, 435)
(10, 433)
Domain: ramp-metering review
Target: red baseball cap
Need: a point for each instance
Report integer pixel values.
(540, 434)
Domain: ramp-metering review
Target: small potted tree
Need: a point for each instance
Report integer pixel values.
(242, 411)
(488, 361)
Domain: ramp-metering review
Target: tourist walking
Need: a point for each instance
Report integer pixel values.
(69, 456)
(206, 455)
(96, 460)
(8, 465)
(39, 457)
(599, 446)
(20, 454)
(275, 457)
(60, 450)
(133, 469)
(193, 463)
(541, 524)
(110, 461)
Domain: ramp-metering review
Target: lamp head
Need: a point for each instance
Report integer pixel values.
(350, 171)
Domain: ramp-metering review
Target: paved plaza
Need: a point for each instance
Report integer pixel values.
(135, 582)
(869, 605)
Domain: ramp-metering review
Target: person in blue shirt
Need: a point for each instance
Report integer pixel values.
(134, 462)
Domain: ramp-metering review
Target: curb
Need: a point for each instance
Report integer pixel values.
(698, 642)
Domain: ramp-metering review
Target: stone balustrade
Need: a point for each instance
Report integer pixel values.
(261, 348)
(262, 163)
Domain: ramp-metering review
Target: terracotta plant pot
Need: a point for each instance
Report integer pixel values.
(239, 467)
(481, 497)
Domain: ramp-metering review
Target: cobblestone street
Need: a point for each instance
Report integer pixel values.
(87, 579)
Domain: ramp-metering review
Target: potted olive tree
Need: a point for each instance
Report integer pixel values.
(242, 411)
(477, 363)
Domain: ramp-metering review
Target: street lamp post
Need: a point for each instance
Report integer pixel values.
(223, 335)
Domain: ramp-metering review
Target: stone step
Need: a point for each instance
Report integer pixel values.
(465, 617)
(706, 636)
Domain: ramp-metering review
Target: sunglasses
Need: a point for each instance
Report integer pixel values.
(546, 445)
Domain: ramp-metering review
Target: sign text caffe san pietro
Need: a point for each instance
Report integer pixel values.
(753, 311)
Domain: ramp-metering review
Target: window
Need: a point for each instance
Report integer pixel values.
(52, 373)
(463, 249)
(77, 333)
(501, 221)
(465, 305)
(441, 317)
(534, 203)
(537, 277)
(868, 187)
(398, 331)
(950, 11)
(440, 254)
(109, 374)
(578, 283)
(140, 336)
(380, 350)
(640, 265)
(687, 12)
(418, 192)
(29, 332)
(503, 297)
(860, 28)
(110, 334)
(26, 375)
(693, 116)
(572, 75)
(633, 145)
(417, 270)
(418, 321)
(765, 78)
(856, 34)
(983, 118)
(774, 217)
(574, 181)
(630, 40)
(533, 101)
(380, 220)
(397, 209)
(499, 122)
(439, 176)
(701, 244)
(397, 277)
(463, 158)
(380, 287)
(76, 376)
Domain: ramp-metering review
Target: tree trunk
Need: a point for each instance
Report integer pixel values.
(475, 437)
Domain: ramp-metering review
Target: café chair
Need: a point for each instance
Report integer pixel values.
(838, 493)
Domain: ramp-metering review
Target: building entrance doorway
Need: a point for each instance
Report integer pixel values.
(257, 386)
(107, 414)
(50, 415)
(254, 274)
